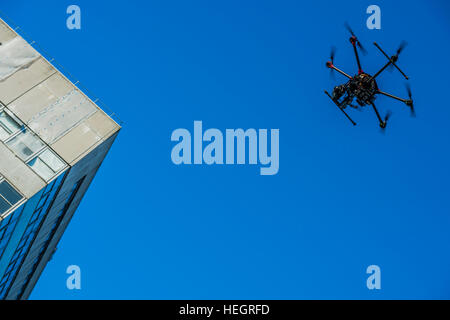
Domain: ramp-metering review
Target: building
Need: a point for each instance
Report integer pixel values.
(53, 139)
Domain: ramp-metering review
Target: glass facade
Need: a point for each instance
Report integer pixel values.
(58, 219)
(27, 237)
(7, 226)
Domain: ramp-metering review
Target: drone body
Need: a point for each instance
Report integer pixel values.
(363, 87)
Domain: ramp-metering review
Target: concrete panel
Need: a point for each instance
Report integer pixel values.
(63, 115)
(18, 173)
(6, 33)
(102, 124)
(16, 54)
(76, 142)
(24, 80)
(40, 97)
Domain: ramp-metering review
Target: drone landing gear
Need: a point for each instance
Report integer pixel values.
(348, 117)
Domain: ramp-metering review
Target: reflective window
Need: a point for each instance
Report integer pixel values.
(8, 126)
(7, 226)
(4, 205)
(46, 164)
(28, 146)
(25, 144)
(7, 191)
(8, 196)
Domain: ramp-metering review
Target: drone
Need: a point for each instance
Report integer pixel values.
(363, 87)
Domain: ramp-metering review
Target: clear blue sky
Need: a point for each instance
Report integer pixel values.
(345, 197)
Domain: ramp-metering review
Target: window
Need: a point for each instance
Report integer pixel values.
(28, 146)
(11, 195)
(25, 144)
(46, 164)
(8, 196)
(7, 226)
(8, 126)
(4, 205)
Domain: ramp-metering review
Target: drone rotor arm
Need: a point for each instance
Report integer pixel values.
(382, 122)
(354, 42)
(332, 66)
(392, 61)
(393, 97)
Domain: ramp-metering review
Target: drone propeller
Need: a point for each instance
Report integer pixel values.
(332, 54)
(402, 46)
(358, 43)
(386, 118)
(409, 102)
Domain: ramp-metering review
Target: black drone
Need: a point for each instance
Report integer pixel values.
(363, 87)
